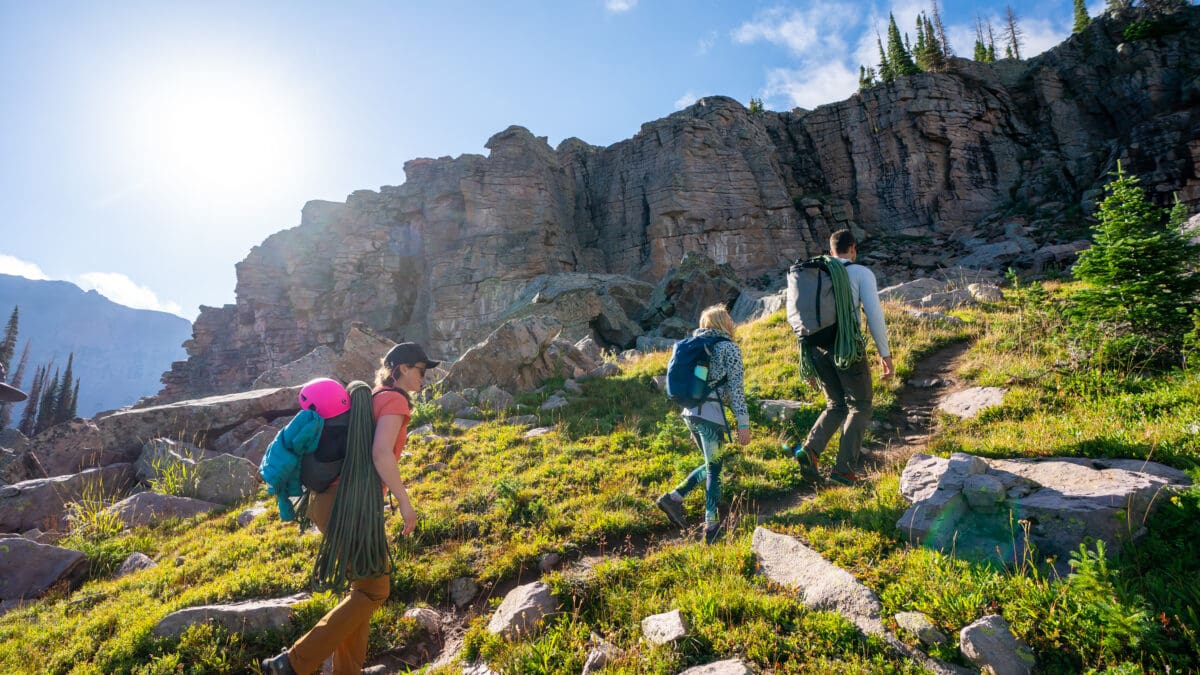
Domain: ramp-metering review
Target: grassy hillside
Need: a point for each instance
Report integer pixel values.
(493, 502)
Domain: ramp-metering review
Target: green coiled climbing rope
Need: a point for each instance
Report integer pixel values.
(850, 346)
(355, 543)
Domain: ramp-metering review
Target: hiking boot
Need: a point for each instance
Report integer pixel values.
(846, 478)
(278, 665)
(673, 509)
(807, 459)
(713, 532)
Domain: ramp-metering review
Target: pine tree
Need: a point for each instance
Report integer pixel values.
(1081, 17)
(62, 399)
(991, 42)
(48, 405)
(919, 53)
(885, 67)
(9, 345)
(29, 414)
(1013, 32)
(73, 411)
(897, 55)
(1140, 289)
(18, 375)
(941, 30)
(933, 48)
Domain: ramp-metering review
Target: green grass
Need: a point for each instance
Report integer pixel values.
(492, 502)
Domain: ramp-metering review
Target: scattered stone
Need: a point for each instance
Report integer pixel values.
(605, 369)
(521, 421)
(603, 653)
(41, 503)
(590, 348)
(256, 446)
(780, 410)
(29, 569)
(912, 291)
(472, 394)
(462, 591)
(556, 401)
(970, 402)
(522, 610)
(136, 562)
(660, 382)
(926, 383)
(246, 517)
(726, 667)
(428, 618)
(537, 431)
(571, 386)
(244, 618)
(451, 402)
(148, 508)
(465, 424)
(660, 629)
(990, 645)
(919, 625)
(946, 300)
(823, 585)
(985, 292)
(470, 412)
(548, 561)
(935, 316)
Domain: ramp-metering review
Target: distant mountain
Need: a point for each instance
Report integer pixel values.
(120, 352)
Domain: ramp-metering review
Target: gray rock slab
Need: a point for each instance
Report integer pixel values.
(726, 667)
(245, 618)
(246, 517)
(968, 403)
(136, 562)
(912, 291)
(661, 629)
(462, 591)
(41, 503)
(919, 625)
(226, 480)
(496, 399)
(148, 508)
(523, 610)
(29, 569)
(823, 585)
(554, 402)
(990, 645)
(537, 432)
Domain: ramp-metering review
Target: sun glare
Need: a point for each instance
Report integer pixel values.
(207, 134)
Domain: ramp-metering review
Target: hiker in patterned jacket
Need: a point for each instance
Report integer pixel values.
(708, 424)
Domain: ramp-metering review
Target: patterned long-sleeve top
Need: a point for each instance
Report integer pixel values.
(726, 362)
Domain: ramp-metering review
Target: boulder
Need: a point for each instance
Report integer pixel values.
(605, 369)
(126, 430)
(249, 618)
(646, 343)
(522, 610)
(537, 432)
(968, 403)
(246, 517)
(317, 363)
(968, 503)
(586, 304)
(148, 508)
(685, 291)
(940, 317)
(554, 402)
(358, 359)
(985, 292)
(946, 300)
(661, 629)
(726, 667)
(41, 502)
(225, 479)
(253, 449)
(754, 305)
(136, 562)
(232, 439)
(464, 423)
(452, 402)
(822, 585)
(521, 421)
(1059, 255)
(910, 292)
(990, 645)
(17, 461)
(602, 654)
(29, 569)
(159, 455)
(73, 446)
(590, 349)
(517, 356)
(496, 399)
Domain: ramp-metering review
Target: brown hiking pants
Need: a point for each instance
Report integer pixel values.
(848, 397)
(343, 631)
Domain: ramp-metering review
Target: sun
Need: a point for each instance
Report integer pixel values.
(217, 133)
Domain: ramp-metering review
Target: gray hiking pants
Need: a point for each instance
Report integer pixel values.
(848, 397)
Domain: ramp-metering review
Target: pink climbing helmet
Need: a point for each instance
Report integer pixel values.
(325, 396)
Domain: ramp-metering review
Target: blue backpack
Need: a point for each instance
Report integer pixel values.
(687, 371)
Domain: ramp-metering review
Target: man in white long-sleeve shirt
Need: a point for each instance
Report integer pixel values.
(847, 392)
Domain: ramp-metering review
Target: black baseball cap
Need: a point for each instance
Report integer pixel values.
(9, 393)
(408, 353)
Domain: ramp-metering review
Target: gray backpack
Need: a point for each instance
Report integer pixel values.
(810, 306)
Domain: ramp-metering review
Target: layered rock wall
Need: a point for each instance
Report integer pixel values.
(441, 258)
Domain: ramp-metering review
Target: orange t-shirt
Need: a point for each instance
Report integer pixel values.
(391, 402)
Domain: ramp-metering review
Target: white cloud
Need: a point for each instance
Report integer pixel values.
(124, 291)
(819, 28)
(20, 268)
(619, 6)
(686, 100)
(812, 85)
(706, 43)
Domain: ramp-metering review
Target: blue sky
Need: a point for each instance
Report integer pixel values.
(148, 146)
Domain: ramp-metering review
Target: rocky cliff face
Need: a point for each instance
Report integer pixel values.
(956, 161)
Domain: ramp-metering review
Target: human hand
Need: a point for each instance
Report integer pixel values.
(888, 368)
(744, 436)
(409, 514)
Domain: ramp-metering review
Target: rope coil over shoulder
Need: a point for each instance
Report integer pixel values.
(355, 542)
(850, 346)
